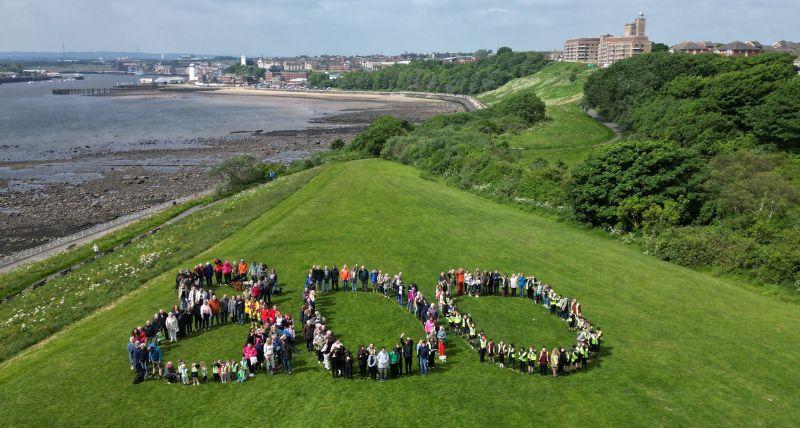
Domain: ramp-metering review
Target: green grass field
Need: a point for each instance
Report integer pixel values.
(681, 348)
(568, 134)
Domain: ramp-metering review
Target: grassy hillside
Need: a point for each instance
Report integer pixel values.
(569, 133)
(556, 83)
(682, 348)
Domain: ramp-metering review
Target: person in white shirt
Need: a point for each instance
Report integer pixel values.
(383, 363)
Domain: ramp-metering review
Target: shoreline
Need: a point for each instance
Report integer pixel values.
(47, 199)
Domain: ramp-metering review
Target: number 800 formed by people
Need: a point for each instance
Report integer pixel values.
(275, 336)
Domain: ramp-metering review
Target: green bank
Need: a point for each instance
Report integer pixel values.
(682, 347)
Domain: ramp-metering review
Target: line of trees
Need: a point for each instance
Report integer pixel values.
(487, 73)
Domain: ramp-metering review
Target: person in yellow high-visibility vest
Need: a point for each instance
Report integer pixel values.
(522, 356)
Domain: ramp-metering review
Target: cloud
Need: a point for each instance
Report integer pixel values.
(287, 27)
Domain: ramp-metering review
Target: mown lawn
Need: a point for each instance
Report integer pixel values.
(682, 348)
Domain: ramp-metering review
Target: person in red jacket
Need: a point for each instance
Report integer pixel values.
(218, 271)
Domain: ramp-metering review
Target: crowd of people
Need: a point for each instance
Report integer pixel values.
(558, 361)
(371, 361)
(269, 344)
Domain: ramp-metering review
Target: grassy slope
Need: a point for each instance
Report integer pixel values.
(569, 133)
(682, 347)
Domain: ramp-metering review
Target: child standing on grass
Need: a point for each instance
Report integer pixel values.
(183, 372)
(241, 375)
(215, 371)
(195, 371)
(204, 371)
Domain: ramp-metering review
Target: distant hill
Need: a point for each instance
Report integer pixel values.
(54, 56)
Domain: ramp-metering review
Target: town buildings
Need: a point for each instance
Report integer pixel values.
(608, 49)
(736, 48)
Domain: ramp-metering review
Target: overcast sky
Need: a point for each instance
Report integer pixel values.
(291, 27)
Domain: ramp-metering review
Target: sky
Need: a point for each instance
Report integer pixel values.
(294, 27)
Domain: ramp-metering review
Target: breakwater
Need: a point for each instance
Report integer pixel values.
(129, 89)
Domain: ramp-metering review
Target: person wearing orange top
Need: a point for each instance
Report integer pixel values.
(243, 268)
(344, 275)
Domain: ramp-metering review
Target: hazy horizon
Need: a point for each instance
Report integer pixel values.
(313, 27)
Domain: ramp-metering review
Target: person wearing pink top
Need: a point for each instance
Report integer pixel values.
(227, 268)
(430, 326)
(251, 355)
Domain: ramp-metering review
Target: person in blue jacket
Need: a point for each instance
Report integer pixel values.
(154, 356)
(521, 283)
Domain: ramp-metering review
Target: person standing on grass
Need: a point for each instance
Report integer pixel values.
(287, 355)
(501, 354)
(513, 285)
(510, 352)
(554, 361)
(208, 273)
(335, 274)
(363, 276)
(172, 327)
(543, 360)
(408, 354)
(521, 283)
(348, 365)
(354, 277)
(397, 361)
(227, 271)
(373, 278)
(362, 356)
(372, 362)
(344, 276)
(218, 271)
(482, 344)
(383, 363)
(441, 337)
(531, 358)
(423, 352)
(132, 352)
(326, 279)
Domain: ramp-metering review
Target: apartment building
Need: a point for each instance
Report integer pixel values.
(608, 49)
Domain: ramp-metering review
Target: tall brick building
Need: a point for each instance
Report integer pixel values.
(608, 49)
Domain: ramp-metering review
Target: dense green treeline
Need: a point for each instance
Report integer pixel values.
(701, 101)
(434, 76)
(737, 121)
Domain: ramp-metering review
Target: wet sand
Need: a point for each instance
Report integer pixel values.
(43, 200)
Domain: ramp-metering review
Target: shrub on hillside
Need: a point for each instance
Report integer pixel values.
(370, 141)
(524, 105)
(242, 171)
(625, 179)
